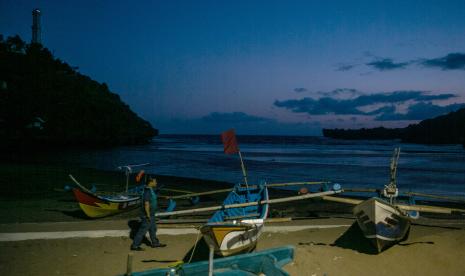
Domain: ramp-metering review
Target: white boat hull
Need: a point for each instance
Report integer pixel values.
(229, 238)
(382, 223)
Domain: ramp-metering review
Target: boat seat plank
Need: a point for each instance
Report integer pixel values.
(243, 216)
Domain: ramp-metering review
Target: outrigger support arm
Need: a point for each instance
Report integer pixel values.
(239, 205)
(80, 185)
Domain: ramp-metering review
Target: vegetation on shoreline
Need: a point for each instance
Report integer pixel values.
(46, 102)
(446, 129)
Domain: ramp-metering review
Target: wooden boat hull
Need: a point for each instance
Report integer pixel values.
(95, 206)
(229, 239)
(382, 223)
(236, 230)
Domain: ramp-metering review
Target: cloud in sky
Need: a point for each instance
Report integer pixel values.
(419, 111)
(420, 106)
(387, 64)
(234, 117)
(345, 67)
(452, 61)
(300, 89)
(341, 92)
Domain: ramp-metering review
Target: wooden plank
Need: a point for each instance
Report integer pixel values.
(190, 194)
(361, 190)
(242, 216)
(204, 220)
(429, 209)
(456, 199)
(129, 265)
(240, 205)
(297, 183)
(201, 193)
(421, 208)
(177, 190)
(342, 200)
(273, 220)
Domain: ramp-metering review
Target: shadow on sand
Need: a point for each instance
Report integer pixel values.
(199, 252)
(134, 225)
(351, 239)
(354, 239)
(71, 213)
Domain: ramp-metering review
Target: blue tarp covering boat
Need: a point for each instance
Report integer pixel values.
(267, 262)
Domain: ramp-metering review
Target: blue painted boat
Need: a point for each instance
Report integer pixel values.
(266, 262)
(236, 230)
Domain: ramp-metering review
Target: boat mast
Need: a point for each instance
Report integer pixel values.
(244, 172)
(128, 170)
(390, 191)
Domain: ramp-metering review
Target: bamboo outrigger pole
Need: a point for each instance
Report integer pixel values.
(80, 185)
(239, 205)
(421, 208)
(191, 194)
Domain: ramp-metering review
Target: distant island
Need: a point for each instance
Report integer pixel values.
(445, 129)
(45, 102)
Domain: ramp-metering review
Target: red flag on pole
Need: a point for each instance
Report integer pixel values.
(229, 141)
(139, 176)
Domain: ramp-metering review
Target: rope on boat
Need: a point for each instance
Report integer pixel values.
(195, 246)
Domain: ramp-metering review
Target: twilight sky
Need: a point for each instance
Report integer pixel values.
(262, 67)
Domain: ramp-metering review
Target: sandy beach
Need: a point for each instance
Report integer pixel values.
(43, 232)
(337, 249)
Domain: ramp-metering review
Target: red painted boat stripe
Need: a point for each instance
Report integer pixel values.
(85, 198)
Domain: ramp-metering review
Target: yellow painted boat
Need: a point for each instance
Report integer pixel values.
(96, 206)
(236, 230)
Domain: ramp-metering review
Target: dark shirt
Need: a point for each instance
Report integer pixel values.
(149, 196)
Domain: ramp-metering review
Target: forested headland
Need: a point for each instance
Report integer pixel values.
(445, 129)
(44, 102)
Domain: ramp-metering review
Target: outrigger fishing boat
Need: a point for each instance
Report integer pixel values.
(236, 230)
(381, 221)
(237, 224)
(385, 220)
(95, 205)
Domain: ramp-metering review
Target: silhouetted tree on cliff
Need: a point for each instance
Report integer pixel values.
(43, 100)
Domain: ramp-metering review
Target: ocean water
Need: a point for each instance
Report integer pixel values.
(438, 169)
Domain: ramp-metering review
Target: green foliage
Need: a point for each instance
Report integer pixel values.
(76, 110)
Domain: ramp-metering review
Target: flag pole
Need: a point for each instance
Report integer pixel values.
(244, 172)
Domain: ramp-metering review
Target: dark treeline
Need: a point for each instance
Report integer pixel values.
(446, 129)
(45, 102)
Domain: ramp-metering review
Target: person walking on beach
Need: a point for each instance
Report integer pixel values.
(149, 207)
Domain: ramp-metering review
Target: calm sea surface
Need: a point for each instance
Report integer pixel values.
(422, 168)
